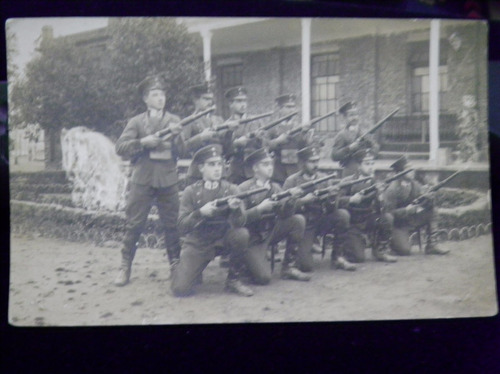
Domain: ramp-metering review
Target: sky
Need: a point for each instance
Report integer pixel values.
(28, 30)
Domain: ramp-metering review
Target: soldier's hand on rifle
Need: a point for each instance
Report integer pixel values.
(232, 124)
(295, 191)
(175, 127)
(356, 198)
(354, 146)
(309, 198)
(207, 134)
(266, 205)
(241, 141)
(283, 138)
(234, 203)
(209, 209)
(150, 141)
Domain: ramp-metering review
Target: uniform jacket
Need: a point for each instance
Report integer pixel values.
(368, 206)
(192, 132)
(399, 194)
(258, 222)
(342, 154)
(146, 171)
(199, 229)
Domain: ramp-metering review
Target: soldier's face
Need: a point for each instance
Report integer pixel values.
(204, 102)
(287, 109)
(264, 169)
(352, 119)
(211, 169)
(367, 167)
(311, 166)
(239, 105)
(155, 99)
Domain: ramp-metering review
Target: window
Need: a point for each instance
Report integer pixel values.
(420, 88)
(324, 89)
(229, 76)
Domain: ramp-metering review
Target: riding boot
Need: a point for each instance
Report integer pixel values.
(126, 266)
(289, 269)
(338, 261)
(381, 251)
(431, 245)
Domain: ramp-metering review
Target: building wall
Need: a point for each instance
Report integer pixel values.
(374, 71)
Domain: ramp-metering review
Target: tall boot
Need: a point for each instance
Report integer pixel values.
(233, 282)
(289, 269)
(338, 261)
(431, 245)
(126, 266)
(381, 251)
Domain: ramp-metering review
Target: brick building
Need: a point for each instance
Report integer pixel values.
(381, 64)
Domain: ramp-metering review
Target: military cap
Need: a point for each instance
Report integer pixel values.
(202, 155)
(347, 106)
(308, 154)
(256, 156)
(400, 164)
(235, 91)
(200, 89)
(151, 83)
(285, 99)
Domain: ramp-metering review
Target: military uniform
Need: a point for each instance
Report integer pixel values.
(369, 224)
(267, 229)
(206, 237)
(398, 196)
(350, 159)
(154, 178)
(321, 220)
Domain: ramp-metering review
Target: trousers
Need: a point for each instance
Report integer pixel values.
(401, 231)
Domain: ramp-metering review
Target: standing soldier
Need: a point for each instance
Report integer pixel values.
(208, 229)
(320, 219)
(347, 150)
(241, 144)
(368, 219)
(408, 216)
(201, 132)
(270, 221)
(154, 176)
(285, 146)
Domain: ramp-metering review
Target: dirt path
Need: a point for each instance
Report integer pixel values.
(54, 282)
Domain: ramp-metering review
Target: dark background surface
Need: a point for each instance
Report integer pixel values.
(433, 346)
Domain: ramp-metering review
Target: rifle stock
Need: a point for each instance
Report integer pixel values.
(184, 122)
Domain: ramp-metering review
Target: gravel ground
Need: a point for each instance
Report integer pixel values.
(59, 283)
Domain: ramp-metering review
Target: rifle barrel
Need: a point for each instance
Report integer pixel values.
(379, 124)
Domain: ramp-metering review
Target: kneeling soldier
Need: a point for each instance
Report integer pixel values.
(367, 217)
(270, 220)
(408, 216)
(321, 220)
(209, 229)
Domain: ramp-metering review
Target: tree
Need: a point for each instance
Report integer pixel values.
(69, 85)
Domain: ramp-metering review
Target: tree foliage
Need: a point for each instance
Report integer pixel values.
(69, 85)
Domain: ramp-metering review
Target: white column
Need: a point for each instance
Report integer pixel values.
(434, 91)
(306, 69)
(207, 53)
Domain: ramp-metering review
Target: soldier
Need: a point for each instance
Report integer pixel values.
(285, 146)
(210, 230)
(270, 221)
(201, 132)
(407, 216)
(368, 219)
(346, 149)
(241, 144)
(321, 219)
(154, 176)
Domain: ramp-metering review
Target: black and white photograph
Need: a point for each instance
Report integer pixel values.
(200, 170)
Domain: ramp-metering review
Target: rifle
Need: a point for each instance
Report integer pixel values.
(327, 192)
(386, 182)
(245, 121)
(377, 125)
(304, 187)
(243, 195)
(312, 122)
(165, 133)
(272, 124)
(434, 188)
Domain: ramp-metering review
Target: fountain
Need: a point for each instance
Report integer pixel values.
(97, 173)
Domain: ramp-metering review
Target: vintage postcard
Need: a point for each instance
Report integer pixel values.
(228, 170)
